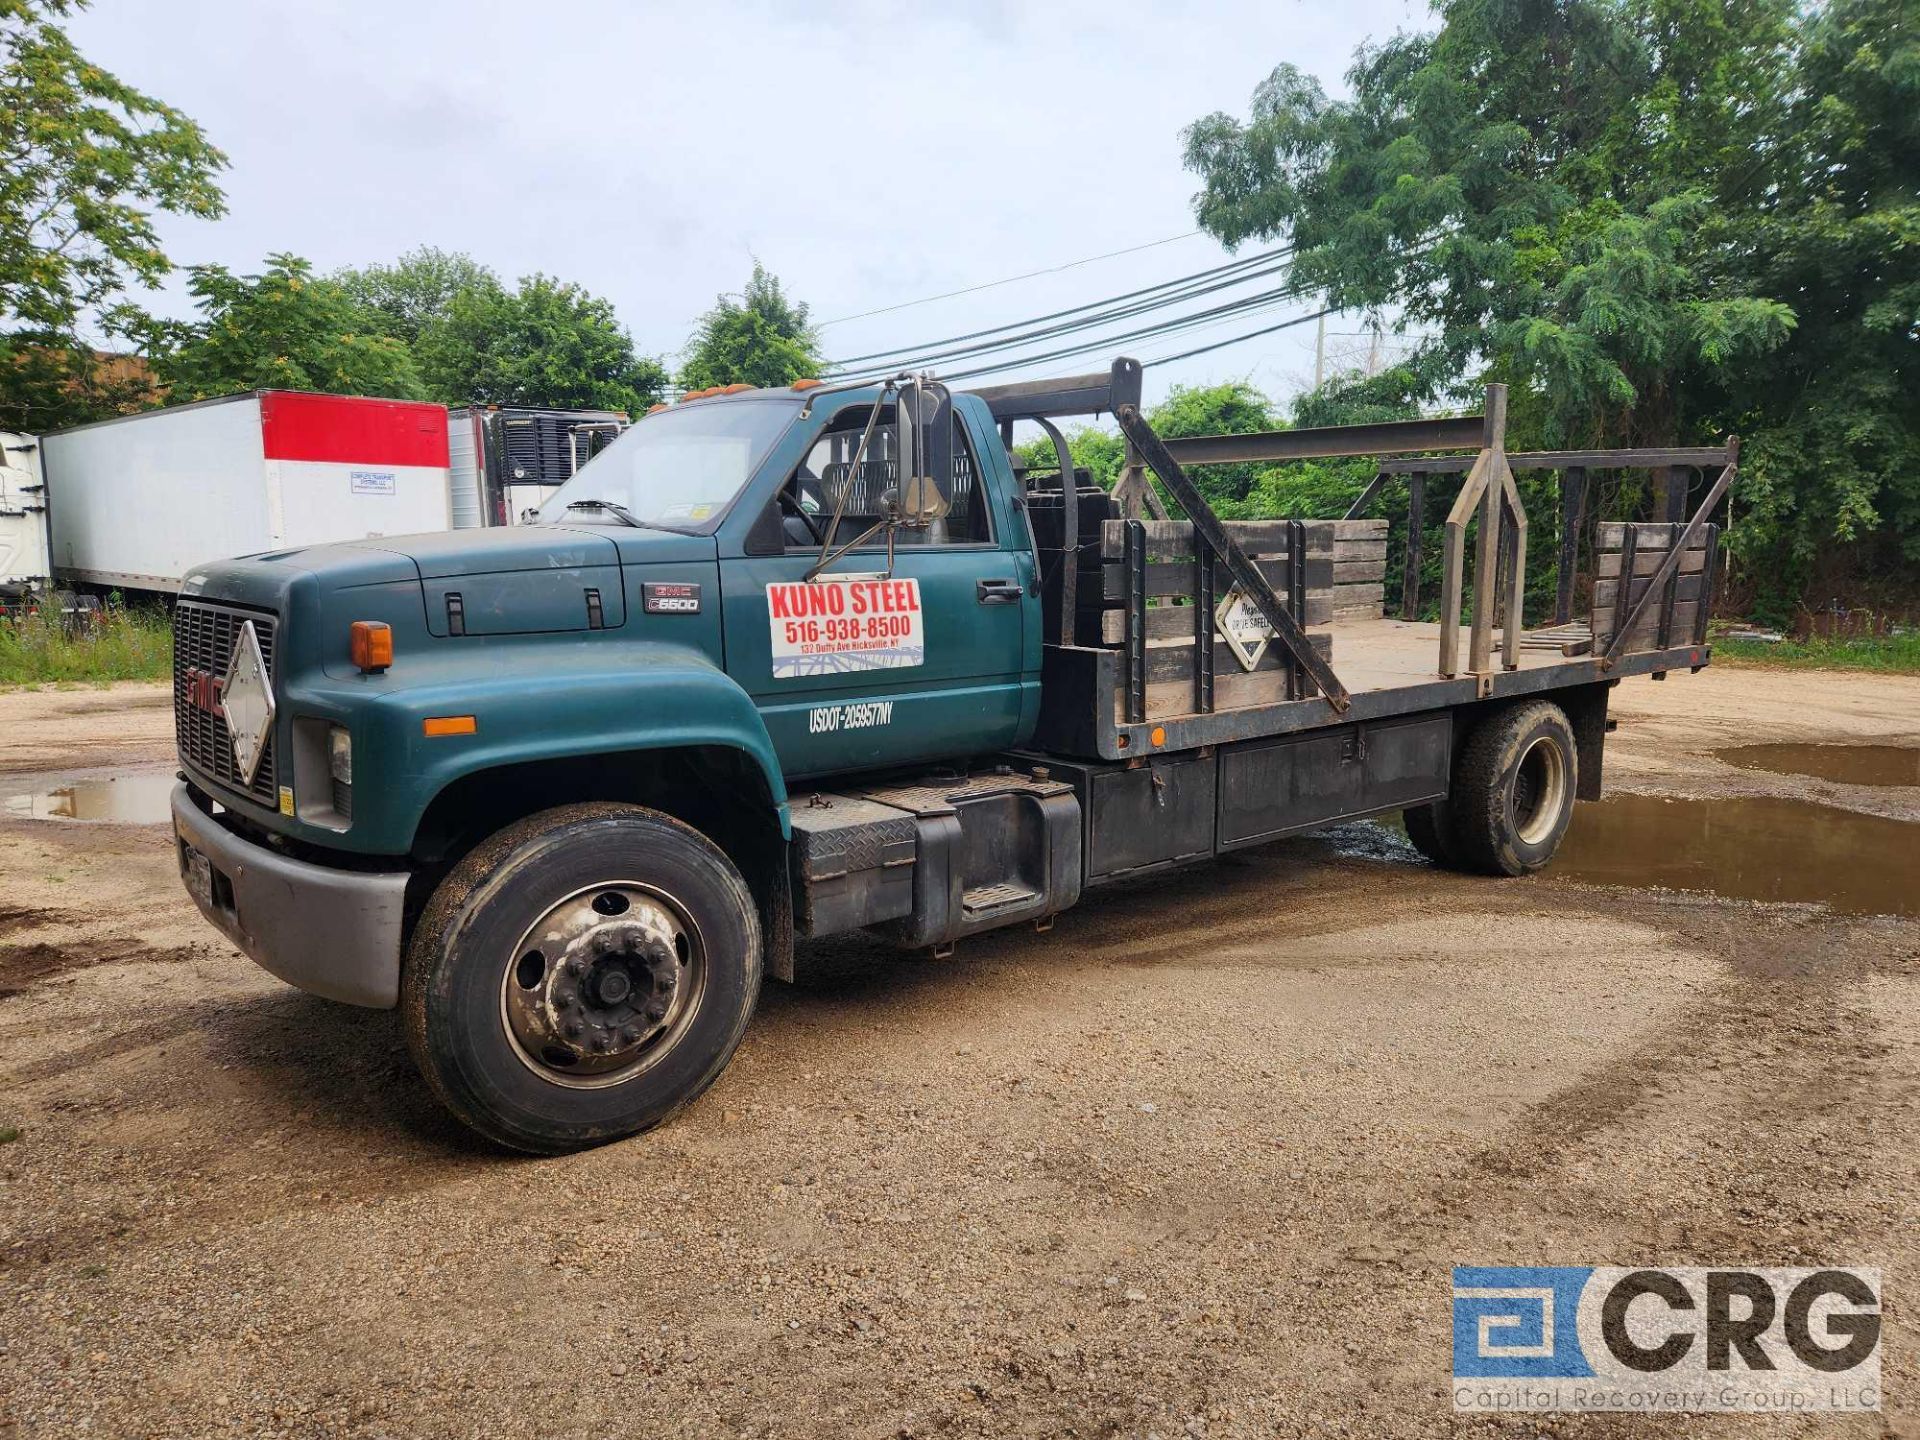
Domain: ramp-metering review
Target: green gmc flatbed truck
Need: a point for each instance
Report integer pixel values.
(795, 663)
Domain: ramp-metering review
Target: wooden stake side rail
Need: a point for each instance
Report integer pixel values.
(1680, 586)
(1143, 668)
(1230, 557)
(1325, 570)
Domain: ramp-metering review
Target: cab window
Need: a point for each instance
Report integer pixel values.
(816, 487)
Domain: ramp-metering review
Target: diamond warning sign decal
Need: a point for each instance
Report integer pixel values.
(836, 627)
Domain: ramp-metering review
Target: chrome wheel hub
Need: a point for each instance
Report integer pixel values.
(601, 982)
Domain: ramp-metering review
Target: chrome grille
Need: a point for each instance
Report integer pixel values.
(203, 637)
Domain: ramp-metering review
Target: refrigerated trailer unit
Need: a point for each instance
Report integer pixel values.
(507, 460)
(137, 502)
(23, 521)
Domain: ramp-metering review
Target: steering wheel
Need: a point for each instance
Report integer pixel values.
(793, 507)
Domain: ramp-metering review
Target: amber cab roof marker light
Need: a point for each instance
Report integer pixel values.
(737, 388)
(370, 643)
(656, 409)
(808, 384)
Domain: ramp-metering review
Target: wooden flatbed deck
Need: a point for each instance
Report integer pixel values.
(1377, 654)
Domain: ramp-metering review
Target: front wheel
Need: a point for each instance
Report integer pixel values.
(580, 976)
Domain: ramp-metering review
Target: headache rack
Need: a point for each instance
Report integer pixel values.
(1140, 658)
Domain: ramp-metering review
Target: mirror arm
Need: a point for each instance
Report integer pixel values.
(885, 523)
(853, 469)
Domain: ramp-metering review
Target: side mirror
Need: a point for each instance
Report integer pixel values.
(928, 410)
(924, 502)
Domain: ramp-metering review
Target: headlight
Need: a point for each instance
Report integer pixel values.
(340, 754)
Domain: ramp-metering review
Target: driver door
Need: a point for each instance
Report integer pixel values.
(864, 667)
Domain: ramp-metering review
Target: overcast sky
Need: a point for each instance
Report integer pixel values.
(867, 154)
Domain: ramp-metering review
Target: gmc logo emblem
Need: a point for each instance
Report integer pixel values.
(203, 691)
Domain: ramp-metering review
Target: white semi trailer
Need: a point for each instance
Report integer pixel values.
(24, 570)
(509, 459)
(137, 502)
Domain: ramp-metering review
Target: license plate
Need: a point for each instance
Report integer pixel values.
(198, 871)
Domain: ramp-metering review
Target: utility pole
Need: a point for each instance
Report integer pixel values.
(1320, 350)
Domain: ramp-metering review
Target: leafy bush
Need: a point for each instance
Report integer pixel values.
(124, 645)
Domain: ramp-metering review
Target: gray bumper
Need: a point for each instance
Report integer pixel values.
(333, 933)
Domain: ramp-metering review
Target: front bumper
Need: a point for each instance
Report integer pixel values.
(333, 933)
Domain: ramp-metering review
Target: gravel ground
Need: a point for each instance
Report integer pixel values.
(1198, 1162)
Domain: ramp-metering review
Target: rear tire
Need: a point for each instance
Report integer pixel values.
(1513, 790)
(581, 976)
(1427, 828)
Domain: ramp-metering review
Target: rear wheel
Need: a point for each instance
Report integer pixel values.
(1513, 789)
(581, 976)
(1427, 829)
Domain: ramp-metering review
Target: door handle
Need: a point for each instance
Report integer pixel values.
(997, 592)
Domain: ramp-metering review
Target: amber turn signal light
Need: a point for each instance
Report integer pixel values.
(436, 725)
(371, 645)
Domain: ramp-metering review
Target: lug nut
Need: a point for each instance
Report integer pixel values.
(656, 1013)
(571, 1029)
(629, 1036)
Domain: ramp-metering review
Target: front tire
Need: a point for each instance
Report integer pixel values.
(1513, 790)
(581, 976)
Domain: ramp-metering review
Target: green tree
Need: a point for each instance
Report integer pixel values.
(84, 161)
(1232, 408)
(1100, 453)
(280, 329)
(546, 342)
(1833, 452)
(757, 338)
(416, 290)
(1638, 213)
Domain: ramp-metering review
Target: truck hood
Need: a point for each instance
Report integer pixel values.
(514, 580)
(519, 580)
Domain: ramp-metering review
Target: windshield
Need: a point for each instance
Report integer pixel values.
(679, 468)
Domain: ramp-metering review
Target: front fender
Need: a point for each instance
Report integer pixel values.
(578, 702)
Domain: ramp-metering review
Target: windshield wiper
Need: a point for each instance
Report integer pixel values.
(619, 512)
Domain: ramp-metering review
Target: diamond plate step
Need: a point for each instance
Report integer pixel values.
(992, 897)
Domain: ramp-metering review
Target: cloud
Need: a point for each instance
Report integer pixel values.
(867, 153)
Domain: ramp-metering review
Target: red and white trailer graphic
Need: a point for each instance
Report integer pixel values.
(139, 501)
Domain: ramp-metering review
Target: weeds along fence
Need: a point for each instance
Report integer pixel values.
(39, 648)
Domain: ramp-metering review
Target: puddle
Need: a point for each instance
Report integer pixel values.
(128, 799)
(1843, 764)
(1747, 848)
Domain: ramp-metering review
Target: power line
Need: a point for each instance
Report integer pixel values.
(1250, 304)
(1235, 340)
(1245, 268)
(1010, 280)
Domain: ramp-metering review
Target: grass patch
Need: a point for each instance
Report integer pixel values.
(1889, 654)
(124, 645)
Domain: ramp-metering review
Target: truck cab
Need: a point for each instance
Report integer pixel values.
(793, 663)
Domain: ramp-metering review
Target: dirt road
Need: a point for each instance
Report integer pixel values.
(1198, 1162)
